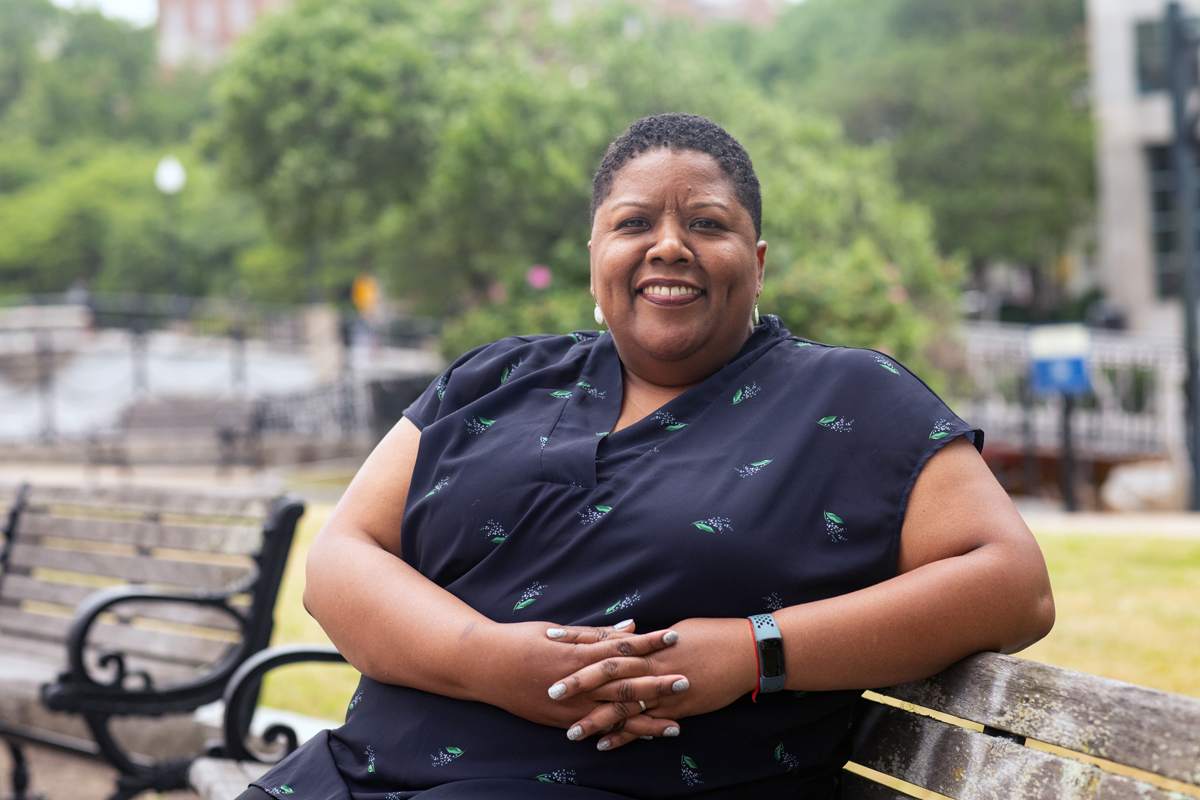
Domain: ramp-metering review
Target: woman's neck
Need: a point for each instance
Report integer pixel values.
(641, 398)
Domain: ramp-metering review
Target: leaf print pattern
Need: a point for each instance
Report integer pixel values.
(370, 754)
(752, 469)
(580, 336)
(494, 531)
(941, 429)
(789, 761)
(833, 526)
(544, 439)
(561, 394)
(558, 776)
(479, 424)
(690, 772)
(714, 525)
(804, 344)
(445, 756)
(509, 370)
(836, 424)
(774, 602)
(281, 791)
(629, 600)
(667, 420)
(529, 596)
(355, 700)
(590, 390)
(438, 487)
(592, 514)
(745, 393)
(888, 365)
(441, 387)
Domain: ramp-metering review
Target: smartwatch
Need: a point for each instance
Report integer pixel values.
(769, 642)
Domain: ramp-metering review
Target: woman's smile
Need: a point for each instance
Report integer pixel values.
(669, 294)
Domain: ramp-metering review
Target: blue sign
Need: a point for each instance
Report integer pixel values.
(1060, 375)
(1058, 359)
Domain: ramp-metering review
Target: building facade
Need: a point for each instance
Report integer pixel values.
(1138, 237)
(199, 32)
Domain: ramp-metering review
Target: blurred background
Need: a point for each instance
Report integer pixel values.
(244, 232)
(238, 237)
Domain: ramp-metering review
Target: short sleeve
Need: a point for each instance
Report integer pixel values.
(476, 373)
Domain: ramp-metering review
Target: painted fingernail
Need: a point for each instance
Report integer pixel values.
(651, 738)
(603, 744)
(575, 733)
(670, 637)
(680, 685)
(623, 624)
(559, 689)
(556, 633)
(671, 731)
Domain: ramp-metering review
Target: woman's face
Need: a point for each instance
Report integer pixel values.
(676, 267)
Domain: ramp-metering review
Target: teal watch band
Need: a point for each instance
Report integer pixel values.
(769, 640)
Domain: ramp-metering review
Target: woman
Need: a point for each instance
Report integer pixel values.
(690, 469)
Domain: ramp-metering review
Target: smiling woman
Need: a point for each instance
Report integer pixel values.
(792, 522)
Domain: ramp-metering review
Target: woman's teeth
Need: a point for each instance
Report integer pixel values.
(670, 291)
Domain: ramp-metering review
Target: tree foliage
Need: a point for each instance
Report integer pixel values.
(983, 103)
(451, 147)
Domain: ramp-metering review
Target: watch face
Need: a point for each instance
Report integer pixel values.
(771, 656)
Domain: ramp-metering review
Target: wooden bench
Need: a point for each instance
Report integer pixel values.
(991, 727)
(995, 726)
(124, 610)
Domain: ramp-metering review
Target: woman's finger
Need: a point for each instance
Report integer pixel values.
(585, 635)
(633, 689)
(639, 727)
(621, 716)
(626, 660)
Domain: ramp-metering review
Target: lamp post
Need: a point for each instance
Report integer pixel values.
(1181, 50)
(169, 178)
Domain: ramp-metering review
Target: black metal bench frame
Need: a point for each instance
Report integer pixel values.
(133, 693)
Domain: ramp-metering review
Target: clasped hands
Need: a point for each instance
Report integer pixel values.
(618, 683)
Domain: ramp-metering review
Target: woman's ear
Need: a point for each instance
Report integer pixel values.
(761, 254)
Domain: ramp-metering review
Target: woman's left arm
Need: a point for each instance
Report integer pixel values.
(970, 577)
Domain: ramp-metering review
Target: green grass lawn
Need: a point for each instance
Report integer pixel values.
(1128, 608)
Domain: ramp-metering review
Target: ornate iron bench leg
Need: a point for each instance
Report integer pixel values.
(20, 774)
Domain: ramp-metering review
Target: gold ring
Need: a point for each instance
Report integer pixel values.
(642, 703)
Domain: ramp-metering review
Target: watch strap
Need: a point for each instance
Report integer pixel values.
(767, 634)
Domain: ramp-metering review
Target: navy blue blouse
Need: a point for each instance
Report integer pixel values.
(781, 479)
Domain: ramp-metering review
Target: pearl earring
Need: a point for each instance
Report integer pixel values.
(755, 314)
(599, 315)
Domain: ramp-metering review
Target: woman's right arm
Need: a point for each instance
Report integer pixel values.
(396, 626)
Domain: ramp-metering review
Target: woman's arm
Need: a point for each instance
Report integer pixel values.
(970, 577)
(396, 626)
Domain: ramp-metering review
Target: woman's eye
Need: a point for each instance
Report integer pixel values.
(706, 223)
(634, 223)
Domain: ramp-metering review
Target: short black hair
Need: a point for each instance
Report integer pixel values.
(678, 132)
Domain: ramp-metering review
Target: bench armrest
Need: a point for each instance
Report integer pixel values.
(241, 696)
(77, 690)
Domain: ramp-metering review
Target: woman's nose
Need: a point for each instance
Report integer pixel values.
(670, 246)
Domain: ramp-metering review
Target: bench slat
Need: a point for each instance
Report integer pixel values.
(856, 787)
(968, 765)
(158, 645)
(136, 569)
(1142, 728)
(23, 587)
(225, 539)
(152, 501)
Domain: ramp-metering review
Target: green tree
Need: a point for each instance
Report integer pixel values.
(496, 114)
(983, 104)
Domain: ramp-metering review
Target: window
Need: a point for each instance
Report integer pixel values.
(1164, 221)
(240, 15)
(1153, 73)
